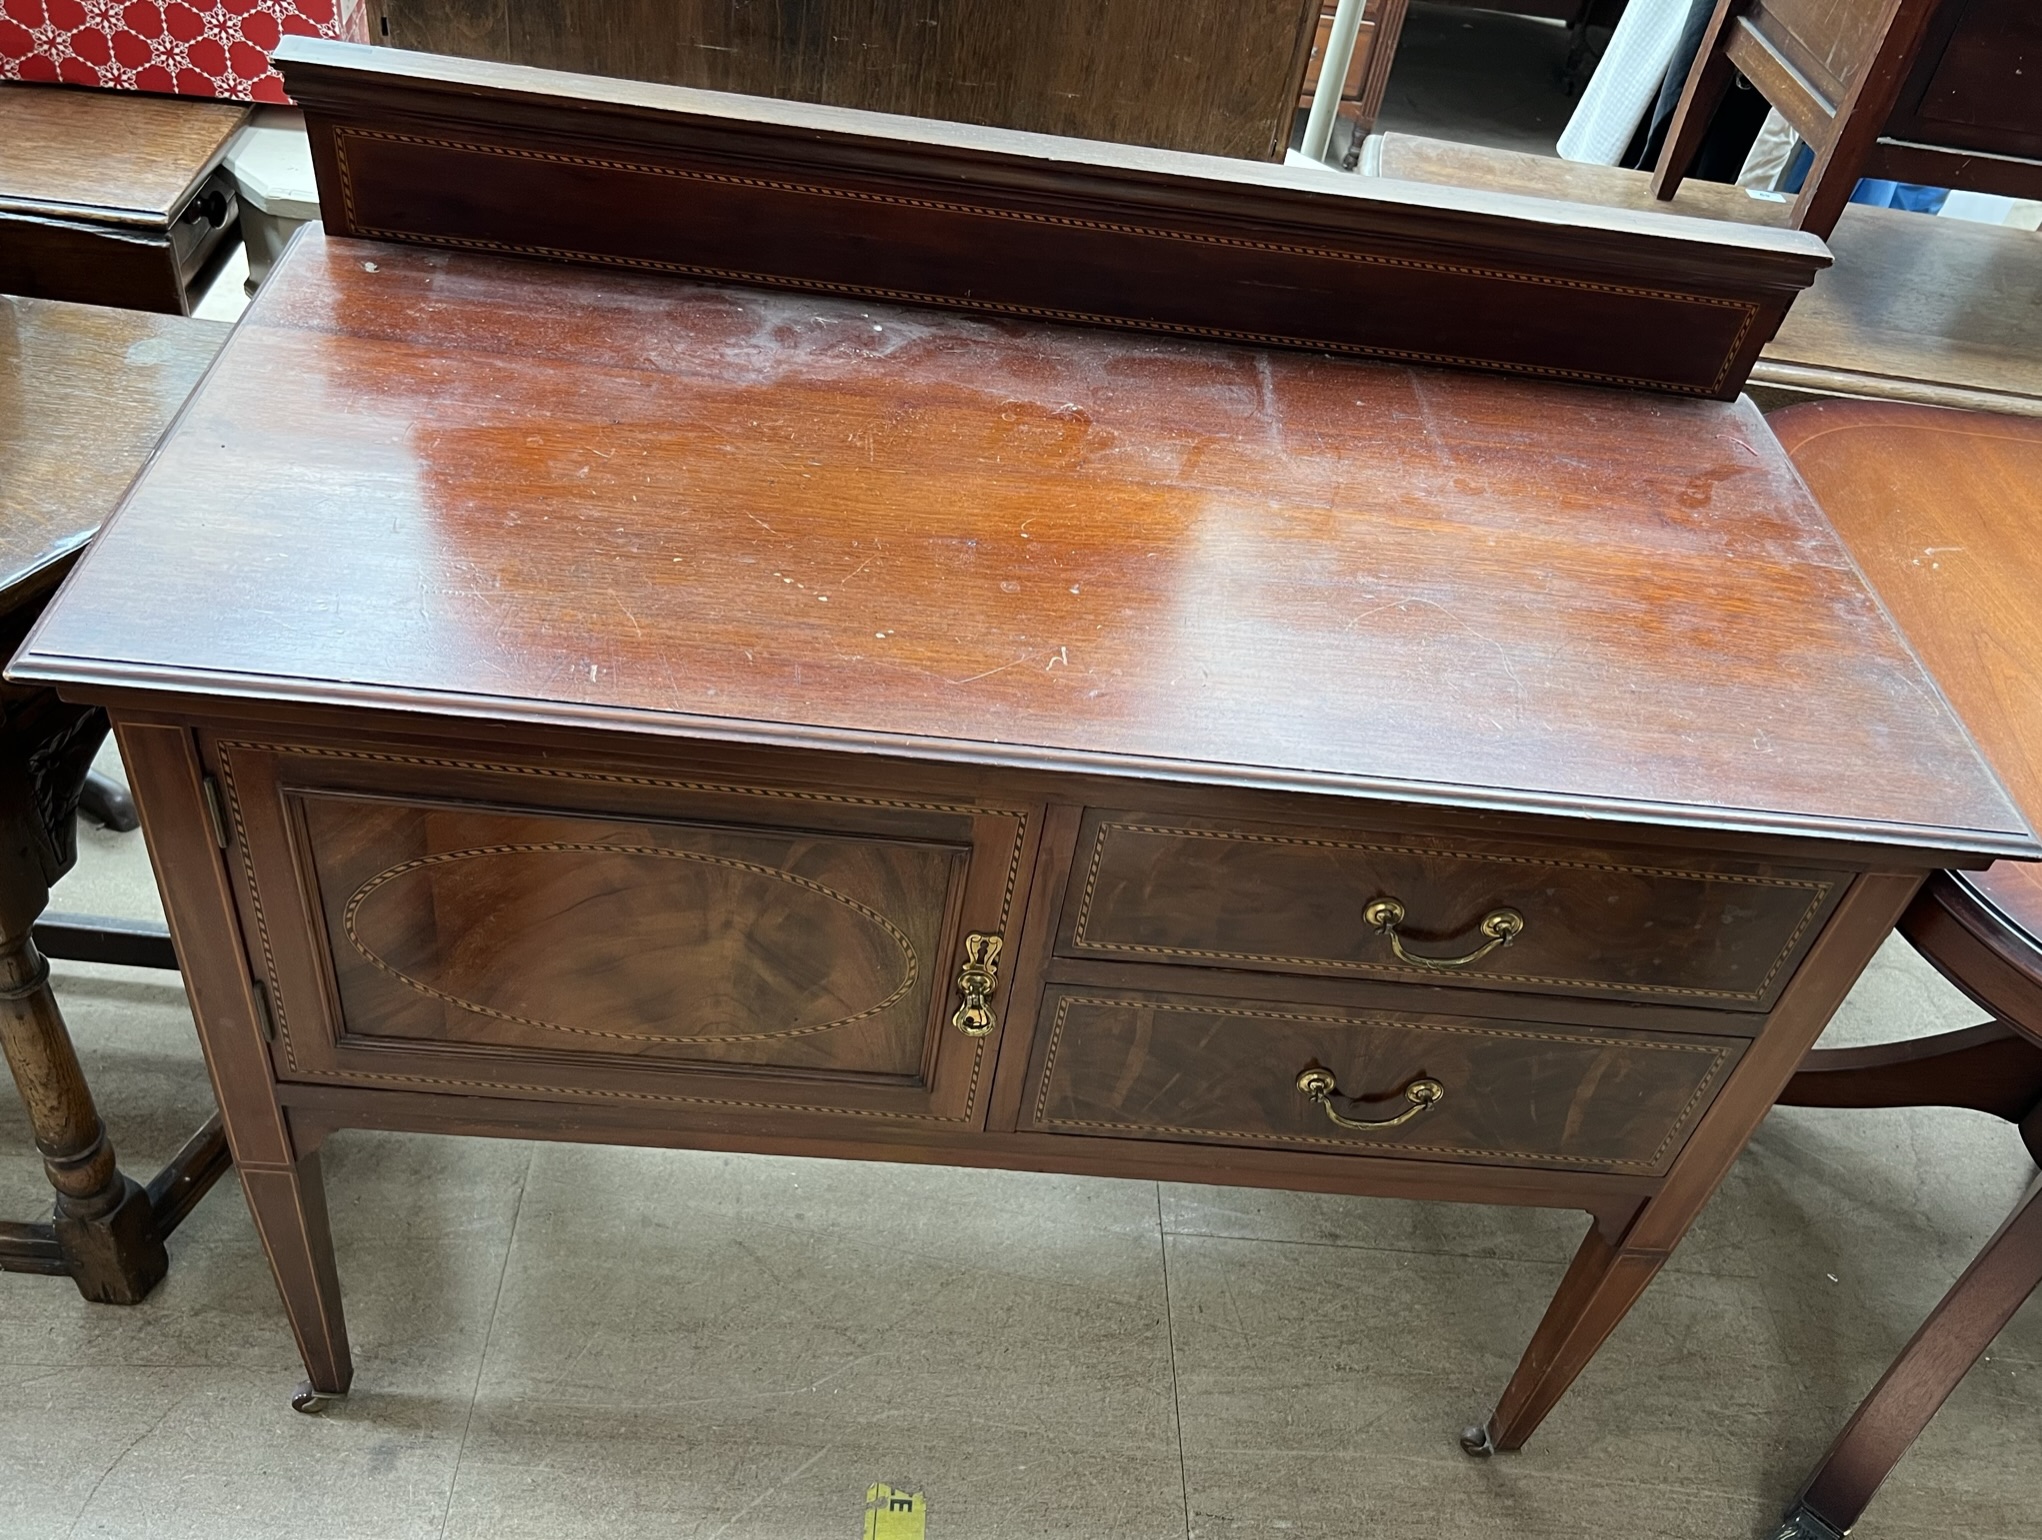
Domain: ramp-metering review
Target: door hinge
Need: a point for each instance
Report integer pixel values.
(266, 1018)
(214, 810)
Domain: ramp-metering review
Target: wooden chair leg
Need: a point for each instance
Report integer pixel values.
(1961, 1327)
(289, 1206)
(1699, 98)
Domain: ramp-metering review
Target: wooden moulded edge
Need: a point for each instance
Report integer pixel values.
(500, 158)
(146, 687)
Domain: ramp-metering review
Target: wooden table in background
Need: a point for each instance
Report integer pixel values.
(110, 198)
(84, 393)
(1943, 312)
(572, 703)
(1939, 509)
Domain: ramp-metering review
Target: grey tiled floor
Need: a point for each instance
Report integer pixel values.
(563, 1341)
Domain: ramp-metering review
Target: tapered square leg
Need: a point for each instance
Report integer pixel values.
(289, 1205)
(1602, 1283)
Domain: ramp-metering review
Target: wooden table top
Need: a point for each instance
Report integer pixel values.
(1940, 509)
(85, 392)
(125, 158)
(1947, 312)
(1942, 311)
(546, 494)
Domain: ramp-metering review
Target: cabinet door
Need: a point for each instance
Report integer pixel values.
(740, 951)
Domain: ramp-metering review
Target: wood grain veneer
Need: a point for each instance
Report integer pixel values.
(1284, 899)
(1945, 533)
(1139, 1064)
(85, 391)
(982, 536)
(485, 157)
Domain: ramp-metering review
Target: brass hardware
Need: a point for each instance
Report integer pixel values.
(976, 980)
(1501, 926)
(214, 812)
(1321, 1087)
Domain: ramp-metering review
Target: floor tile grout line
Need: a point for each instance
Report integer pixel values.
(488, 1333)
(1170, 1334)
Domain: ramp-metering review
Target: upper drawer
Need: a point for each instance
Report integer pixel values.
(1576, 921)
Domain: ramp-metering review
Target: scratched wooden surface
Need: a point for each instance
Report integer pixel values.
(548, 494)
(84, 392)
(126, 158)
(1939, 508)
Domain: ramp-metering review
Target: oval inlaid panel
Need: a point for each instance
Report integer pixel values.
(632, 942)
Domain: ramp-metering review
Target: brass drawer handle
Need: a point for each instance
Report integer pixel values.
(1321, 1087)
(1501, 926)
(976, 980)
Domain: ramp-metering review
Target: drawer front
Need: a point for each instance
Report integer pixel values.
(1593, 922)
(1142, 1065)
(477, 926)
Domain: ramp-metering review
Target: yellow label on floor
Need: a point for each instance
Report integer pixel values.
(891, 1515)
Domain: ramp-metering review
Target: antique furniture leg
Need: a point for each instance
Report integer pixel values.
(1622, 1253)
(107, 1232)
(1994, 1068)
(1981, 1302)
(279, 1172)
(1601, 1284)
(289, 1207)
(102, 1233)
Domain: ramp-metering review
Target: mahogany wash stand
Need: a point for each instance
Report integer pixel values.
(578, 704)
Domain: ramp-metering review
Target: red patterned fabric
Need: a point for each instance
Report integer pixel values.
(189, 47)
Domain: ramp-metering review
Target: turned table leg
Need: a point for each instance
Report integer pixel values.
(107, 1232)
(103, 1226)
(103, 1232)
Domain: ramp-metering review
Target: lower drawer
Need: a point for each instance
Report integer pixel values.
(1143, 1065)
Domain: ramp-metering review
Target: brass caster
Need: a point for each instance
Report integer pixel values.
(312, 1402)
(1475, 1442)
(1802, 1524)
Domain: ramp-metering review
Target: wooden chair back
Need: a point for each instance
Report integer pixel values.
(1833, 69)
